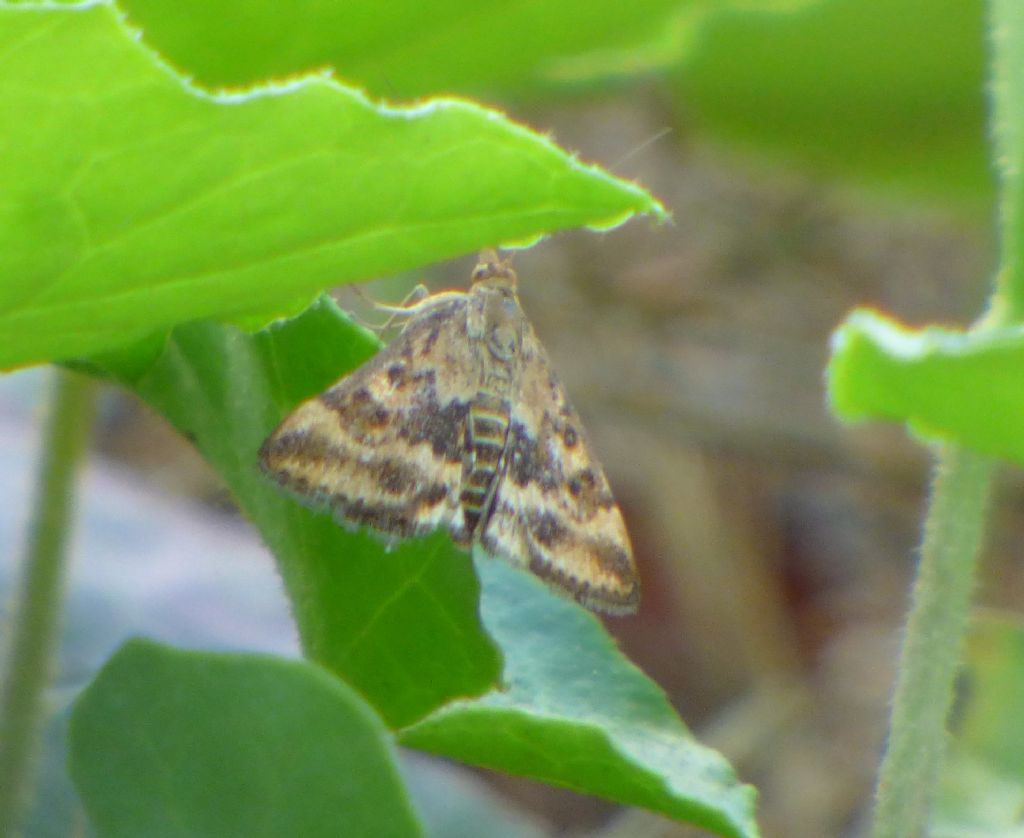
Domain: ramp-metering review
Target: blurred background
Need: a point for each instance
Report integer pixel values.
(816, 157)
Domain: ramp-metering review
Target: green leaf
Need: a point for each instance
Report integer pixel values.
(130, 202)
(887, 93)
(400, 626)
(964, 387)
(573, 711)
(982, 790)
(172, 743)
(407, 48)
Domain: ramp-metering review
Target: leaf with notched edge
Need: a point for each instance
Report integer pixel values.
(133, 202)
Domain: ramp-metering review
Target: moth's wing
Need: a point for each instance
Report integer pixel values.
(383, 447)
(553, 509)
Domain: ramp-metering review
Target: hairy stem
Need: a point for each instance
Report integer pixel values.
(953, 533)
(34, 632)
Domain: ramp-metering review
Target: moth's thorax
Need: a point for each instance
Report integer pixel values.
(495, 326)
(503, 323)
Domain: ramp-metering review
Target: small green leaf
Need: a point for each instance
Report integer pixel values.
(982, 790)
(172, 743)
(401, 626)
(966, 387)
(573, 711)
(130, 202)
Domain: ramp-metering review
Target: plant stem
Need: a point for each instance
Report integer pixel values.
(953, 532)
(36, 623)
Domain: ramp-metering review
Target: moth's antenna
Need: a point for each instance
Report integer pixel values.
(493, 256)
(664, 132)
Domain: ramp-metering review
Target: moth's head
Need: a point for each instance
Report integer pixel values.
(494, 272)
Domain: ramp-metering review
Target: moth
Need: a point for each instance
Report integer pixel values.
(461, 423)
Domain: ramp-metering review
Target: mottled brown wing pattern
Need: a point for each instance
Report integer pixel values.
(460, 423)
(554, 510)
(384, 446)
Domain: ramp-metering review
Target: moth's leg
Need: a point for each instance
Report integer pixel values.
(405, 308)
(419, 299)
(366, 324)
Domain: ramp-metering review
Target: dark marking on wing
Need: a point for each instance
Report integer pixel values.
(432, 336)
(528, 460)
(612, 558)
(396, 477)
(546, 528)
(398, 518)
(443, 428)
(396, 374)
(361, 414)
(590, 493)
(298, 445)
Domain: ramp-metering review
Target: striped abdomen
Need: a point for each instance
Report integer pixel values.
(486, 431)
